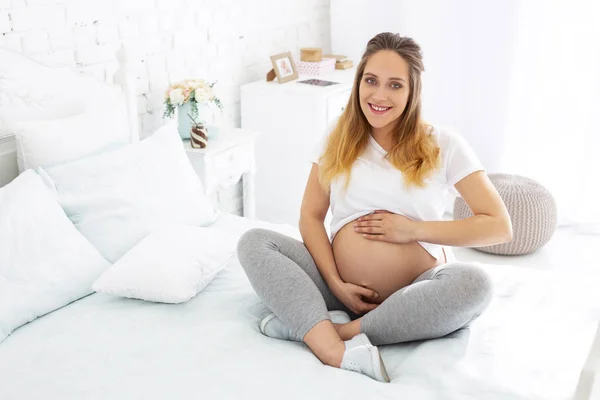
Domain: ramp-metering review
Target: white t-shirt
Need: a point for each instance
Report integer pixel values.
(375, 184)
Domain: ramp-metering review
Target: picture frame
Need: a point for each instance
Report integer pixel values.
(284, 67)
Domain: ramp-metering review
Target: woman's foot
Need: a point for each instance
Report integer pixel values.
(272, 326)
(356, 354)
(362, 357)
(348, 330)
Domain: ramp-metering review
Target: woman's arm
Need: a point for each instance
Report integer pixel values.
(315, 204)
(489, 225)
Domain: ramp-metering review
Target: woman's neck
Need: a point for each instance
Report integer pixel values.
(383, 136)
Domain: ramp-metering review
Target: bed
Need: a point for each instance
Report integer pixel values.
(537, 340)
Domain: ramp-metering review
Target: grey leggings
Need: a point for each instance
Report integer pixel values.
(284, 275)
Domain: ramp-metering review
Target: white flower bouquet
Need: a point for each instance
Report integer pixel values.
(193, 91)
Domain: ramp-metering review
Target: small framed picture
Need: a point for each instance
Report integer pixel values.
(284, 67)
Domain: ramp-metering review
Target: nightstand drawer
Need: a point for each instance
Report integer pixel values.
(229, 165)
(226, 168)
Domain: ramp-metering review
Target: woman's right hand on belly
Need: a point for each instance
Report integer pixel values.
(358, 299)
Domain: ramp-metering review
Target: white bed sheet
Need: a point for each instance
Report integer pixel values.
(530, 344)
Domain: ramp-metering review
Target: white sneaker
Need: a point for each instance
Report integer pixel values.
(364, 359)
(272, 326)
(358, 340)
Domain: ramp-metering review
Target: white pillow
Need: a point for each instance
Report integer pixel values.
(117, 198)
(169, 266)
(44, 262)
(45, 143)
(30, 90)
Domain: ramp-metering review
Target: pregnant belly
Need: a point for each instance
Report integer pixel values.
(380, 266)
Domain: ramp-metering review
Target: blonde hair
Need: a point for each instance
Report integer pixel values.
(415, 152)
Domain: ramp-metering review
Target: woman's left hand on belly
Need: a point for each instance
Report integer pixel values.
(385, 226)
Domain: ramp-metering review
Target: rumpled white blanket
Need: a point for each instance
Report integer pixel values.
(530, 344)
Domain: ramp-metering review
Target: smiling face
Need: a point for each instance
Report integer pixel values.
(384, 90)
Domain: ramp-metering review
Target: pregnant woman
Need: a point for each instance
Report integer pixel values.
(384, 275)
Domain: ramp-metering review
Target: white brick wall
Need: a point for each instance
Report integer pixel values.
(4, 22)
(226, 40)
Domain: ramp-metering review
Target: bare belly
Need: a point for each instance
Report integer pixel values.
(380, 266)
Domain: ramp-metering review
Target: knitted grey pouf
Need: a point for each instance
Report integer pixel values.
(532, 211)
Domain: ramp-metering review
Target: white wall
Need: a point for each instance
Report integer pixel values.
(520, 79)
(465, 46)
(225, 40)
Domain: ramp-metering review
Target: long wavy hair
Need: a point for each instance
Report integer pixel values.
(414, 152)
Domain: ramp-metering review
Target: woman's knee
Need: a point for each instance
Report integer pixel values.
(251, 239)
(255, 244)
(252, 242)
(476, 284)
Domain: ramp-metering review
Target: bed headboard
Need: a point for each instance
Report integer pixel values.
(16, 68)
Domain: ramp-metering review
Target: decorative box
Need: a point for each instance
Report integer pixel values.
(324, 66)
(311, 54)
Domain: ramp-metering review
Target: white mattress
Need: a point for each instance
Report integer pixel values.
(530, 344)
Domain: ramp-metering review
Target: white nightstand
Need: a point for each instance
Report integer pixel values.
(226, 159)
(291, 118)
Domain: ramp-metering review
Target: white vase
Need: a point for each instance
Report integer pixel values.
(184, 123)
